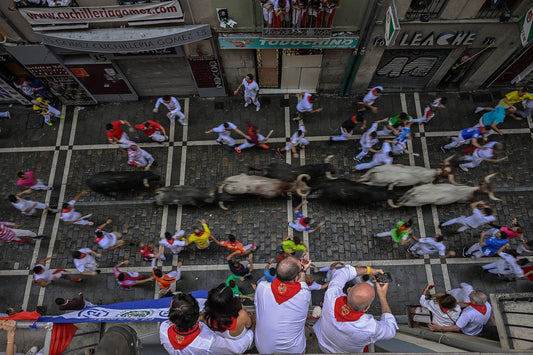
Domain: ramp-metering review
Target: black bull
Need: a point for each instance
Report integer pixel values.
(288, 173)
(111, 182)
(350, 192)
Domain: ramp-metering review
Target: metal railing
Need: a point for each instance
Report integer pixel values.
(296, 32)
(420, 8)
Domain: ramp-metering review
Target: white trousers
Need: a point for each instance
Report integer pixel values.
(23, 233)
(226, 137)
(176, 112)
(158, 137)
(249, 98)
(370, 165)
(457, 141)
(342, 137)
(145, 159)
(300, 141)
(474, 159)
(40, 186)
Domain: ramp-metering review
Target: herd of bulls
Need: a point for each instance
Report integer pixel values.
(313, 181)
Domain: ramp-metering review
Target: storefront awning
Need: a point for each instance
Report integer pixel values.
(129, 39)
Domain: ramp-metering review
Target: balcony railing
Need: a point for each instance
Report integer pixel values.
(296, 32)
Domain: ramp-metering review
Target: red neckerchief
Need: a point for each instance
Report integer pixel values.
(354, 118)
(480, 309)
(66, 210)
(309, 99)
(309, 284)
(83, 255)
(146, 251)
(303, 223)
(171, 241)
(374, 92)
(199, 234)
(179, 340)
(343, 312)
(284, 291)
(97, 239)
(232, 326)
(249, 82)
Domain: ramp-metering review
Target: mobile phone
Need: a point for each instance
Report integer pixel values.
(384, 278)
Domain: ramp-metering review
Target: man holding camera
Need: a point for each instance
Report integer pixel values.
(344, 326)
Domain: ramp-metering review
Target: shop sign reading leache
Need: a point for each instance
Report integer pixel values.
(264, 43)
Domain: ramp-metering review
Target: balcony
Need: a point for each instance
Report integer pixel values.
(298, 32)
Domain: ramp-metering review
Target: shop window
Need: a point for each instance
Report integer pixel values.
(424, 10)
(501, 9)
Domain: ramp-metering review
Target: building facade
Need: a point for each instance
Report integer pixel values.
(89, 51)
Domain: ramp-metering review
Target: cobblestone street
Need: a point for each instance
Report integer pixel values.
(75, 148)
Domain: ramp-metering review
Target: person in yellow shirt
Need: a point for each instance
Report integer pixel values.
(201, 237)
(513, 98)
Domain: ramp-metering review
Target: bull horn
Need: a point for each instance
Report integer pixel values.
(451, 179)
(391, 203)
(222, 206)
(492, 196)
(146, 183)
(488, 177)
(447, 160)
(329, 176)
(302, 176)
(301, 192)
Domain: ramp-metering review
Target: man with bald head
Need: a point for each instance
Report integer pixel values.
(281, 309)
(472, 318)
(344, 326)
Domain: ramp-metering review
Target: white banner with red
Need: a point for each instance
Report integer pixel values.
(165, 10)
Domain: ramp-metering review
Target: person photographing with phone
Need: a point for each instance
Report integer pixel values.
(344, 326)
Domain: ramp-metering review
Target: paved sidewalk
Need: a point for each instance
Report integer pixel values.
(72, 150)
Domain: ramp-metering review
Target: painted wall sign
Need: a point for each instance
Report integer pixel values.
(525, 27)
(401, 68)
(70, 15)
(131, 45)
(43, 70)
(264, 43)
(392, 25)
(447, 38)
(206, 73)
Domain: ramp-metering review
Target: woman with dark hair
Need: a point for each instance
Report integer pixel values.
(182, 334)
(224, 313)
(443, 307)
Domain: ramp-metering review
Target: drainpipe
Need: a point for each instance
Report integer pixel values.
(371, 12)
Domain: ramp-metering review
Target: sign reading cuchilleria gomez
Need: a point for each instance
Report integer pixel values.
(70, 15)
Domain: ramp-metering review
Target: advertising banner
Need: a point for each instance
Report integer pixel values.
(71, 15)
(526, 30)
(266, 43)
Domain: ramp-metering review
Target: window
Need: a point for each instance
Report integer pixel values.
(502, 9)
(424, 10)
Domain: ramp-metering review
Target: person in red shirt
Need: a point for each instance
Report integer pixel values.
(115, 133)
(153, 130)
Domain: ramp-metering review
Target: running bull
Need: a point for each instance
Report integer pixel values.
(111, 182)
(351, 192)
(288, 173)
(443, 194)
(403, 175)
(190, 196)
(262, 186)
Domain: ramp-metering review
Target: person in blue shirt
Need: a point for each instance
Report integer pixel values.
(38, 88)
(495, 117)
(468, 136)
(492, 246)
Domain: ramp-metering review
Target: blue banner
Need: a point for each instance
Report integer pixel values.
(135, 311)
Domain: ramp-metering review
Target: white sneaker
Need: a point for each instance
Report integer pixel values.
(463, 168)
(33, 350)
(246, 104)
(257, 108)
(183, 123)
(479, 109)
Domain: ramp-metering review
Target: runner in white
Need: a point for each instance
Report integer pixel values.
(250, 91)
(70, 216)
(174, 242)
(85, 262)
(28, 207)
(382, 157)
(480, 216)
(224, 133)
(173, 106)
(305, 106)
(44, 276)
(368, 140)
(485, 153)
(108, 241)
(428, 246)
(371, 97)
(431, 110)
(507, 266)
(139, 157)
(297, 139)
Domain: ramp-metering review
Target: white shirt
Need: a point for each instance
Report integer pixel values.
(370, 97)
(478, 219)
(172, 105)
(88, 260)
(507, 266)
(462, 293)
(177, 245)
(108, 239)
(280, 327)
(222, 129)
(430, 246)
(250, 88)
(366, 139)
(383, 156)
(314, 286)
(349, 337)
(22, 205)
(295, 138)
(47, 274)
(471, 321)
(72, 215)
(304, 105)
(439, 317)
(485, 153)
(207, 342)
